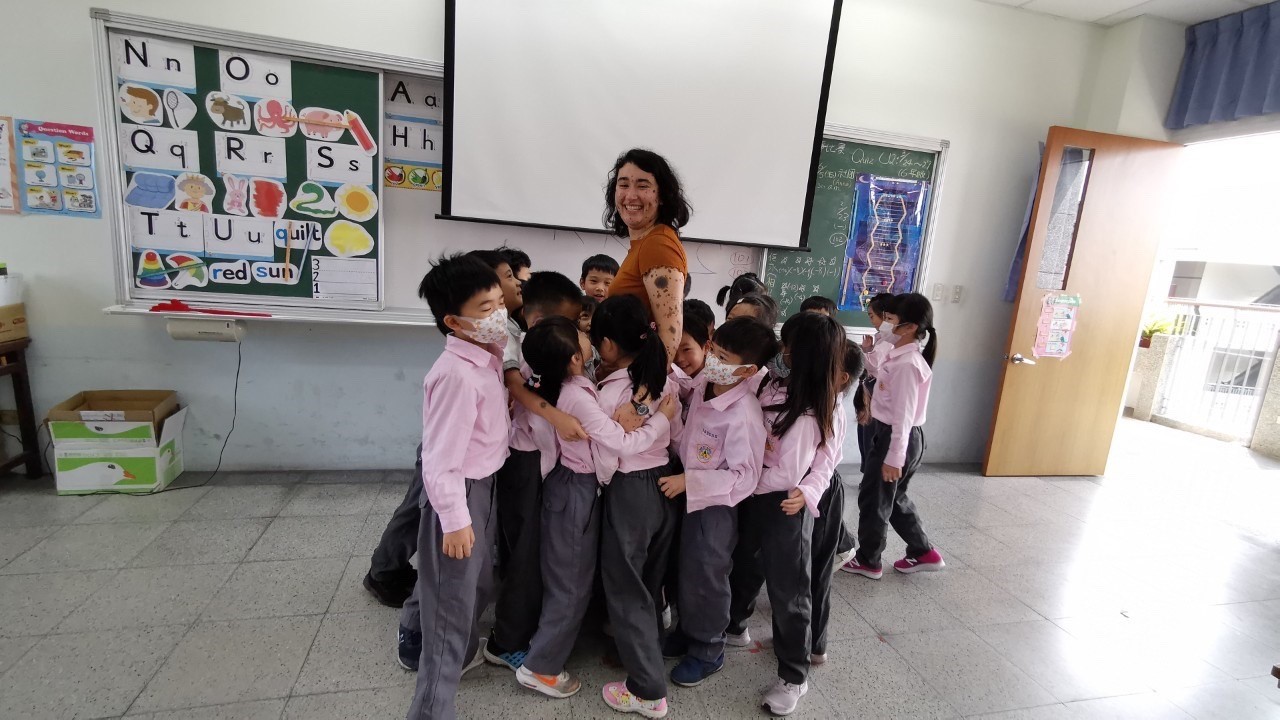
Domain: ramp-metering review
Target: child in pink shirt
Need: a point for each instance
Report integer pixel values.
(570, 492)
(464, 441)
(776, 523)
(897, 444)
(722, 449)
(638, 520)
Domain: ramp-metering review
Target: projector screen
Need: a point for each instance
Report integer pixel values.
(543, 95)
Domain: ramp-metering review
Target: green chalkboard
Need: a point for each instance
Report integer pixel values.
(792, 276)
(200, 247)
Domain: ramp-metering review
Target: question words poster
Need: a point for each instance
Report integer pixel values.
(55, 167)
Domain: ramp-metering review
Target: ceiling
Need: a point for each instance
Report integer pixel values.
(1113, 12)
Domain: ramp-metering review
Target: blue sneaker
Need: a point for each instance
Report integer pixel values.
(513, 660)
(691, 672)
(408, 648)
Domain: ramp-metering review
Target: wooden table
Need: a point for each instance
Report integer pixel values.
(13, 362)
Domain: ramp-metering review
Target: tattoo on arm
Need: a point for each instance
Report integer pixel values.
(661, 282)
(542, 405)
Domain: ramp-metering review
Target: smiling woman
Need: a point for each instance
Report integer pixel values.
(644, 201)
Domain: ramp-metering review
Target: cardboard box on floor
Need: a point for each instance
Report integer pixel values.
(127, 441)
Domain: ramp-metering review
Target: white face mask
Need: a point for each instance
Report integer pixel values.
(720, 373)
(886, 331)
(487, 330)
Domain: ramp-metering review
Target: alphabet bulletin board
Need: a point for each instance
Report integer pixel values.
(245, 176)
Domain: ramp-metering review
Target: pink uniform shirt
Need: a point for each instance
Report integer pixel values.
(788, 459)
(464, 427)
(609, 442)
(722, 446)
(831, 455)
(614, 391)
(900, 397)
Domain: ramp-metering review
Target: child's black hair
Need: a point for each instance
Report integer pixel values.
(548, 348)
(915, 308)
(749, 339)
(883, 303)
(699, 321)
(547, 290)
(599, 263)
(815, 346)
(492, 258)
(451, 282)
(589, 304)
(854, 367)
(742, 285)
(817, 302)
(624, 320)
(515, 257)
(767, 306)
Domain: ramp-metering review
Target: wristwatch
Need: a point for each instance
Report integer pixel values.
(641, 409)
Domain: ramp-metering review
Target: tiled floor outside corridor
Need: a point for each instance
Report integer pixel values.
(1152, 593)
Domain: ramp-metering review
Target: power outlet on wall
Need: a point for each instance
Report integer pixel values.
(939, 292)
(956, 293)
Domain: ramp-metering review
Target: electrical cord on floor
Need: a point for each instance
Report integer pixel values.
(235, 411)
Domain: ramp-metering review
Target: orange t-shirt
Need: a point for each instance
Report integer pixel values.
(661, 247)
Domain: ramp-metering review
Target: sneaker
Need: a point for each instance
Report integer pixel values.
(675, 646)
(509, 660)
(617, 696)
(391, 594)
(857, 568)
(478, 659)
(408, 648)
(842, 558)
(817, 659)
(742, 639)
(691, 672)
(557, 686)
(783, 697)
(927, 562)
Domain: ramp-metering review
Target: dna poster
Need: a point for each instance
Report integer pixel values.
(885, 234)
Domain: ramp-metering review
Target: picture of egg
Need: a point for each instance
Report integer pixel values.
(347, 239)
(356, 202)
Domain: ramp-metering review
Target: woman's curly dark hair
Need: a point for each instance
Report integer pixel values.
(673, 209)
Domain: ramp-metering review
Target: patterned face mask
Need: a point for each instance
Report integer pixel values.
(487, 330)
(778, 366)
(720, 373)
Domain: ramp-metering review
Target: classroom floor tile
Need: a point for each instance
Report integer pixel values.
(1063, 599)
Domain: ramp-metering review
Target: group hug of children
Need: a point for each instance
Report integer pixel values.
(558, 432)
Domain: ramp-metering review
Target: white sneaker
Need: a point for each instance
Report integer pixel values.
(842, 558)
(557, 686)
(478, 660)
(743, 640)
(783, 697)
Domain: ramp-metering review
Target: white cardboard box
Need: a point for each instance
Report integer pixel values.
(119, 456)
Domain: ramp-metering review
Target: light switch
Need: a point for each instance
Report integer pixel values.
(955, 294)
(939, 292)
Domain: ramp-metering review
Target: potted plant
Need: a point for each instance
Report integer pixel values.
(1158, 326)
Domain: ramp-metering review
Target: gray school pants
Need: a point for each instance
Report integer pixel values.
(881, 503)
(828, 536)
(635, 537)
(775, 549)
(570, 546)
(453, 594)
(707, 539)
(390, 561)
(518, 496)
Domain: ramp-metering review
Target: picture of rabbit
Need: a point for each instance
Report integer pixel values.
(236, 200)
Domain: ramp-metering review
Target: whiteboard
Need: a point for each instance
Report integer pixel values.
(412, 235)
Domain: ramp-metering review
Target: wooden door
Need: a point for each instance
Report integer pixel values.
(1095, 228)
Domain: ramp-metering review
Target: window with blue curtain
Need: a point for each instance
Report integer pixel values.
(1231, 69)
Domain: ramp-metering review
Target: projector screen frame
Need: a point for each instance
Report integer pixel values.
(446, 189)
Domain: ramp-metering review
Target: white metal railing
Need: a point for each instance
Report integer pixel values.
(1218, 364)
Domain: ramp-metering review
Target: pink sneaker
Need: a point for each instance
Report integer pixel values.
(857, 568)
(617, 696)
(927, 562)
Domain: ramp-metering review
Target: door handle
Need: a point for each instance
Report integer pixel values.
(1017, 359)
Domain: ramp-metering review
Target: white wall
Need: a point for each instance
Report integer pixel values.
(1226, 282)
(989, 79)
(1135, 75)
